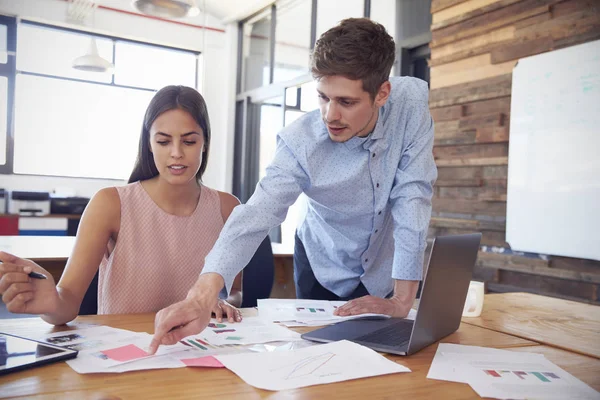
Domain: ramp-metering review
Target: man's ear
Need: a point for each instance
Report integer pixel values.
(383, 94)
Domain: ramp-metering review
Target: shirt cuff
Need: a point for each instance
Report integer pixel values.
(408, 267)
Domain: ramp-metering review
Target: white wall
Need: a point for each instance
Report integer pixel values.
(218, 83)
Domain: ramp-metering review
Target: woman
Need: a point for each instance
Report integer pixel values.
(148, 238)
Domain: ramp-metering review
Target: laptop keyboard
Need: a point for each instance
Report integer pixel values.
(392, 335)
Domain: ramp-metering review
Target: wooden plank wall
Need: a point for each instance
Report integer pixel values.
(475, 45)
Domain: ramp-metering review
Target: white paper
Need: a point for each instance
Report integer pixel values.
(250, 330)
(315, 365)
(92, 342)
(506, 374)
(300, 312)
(446, 362)
(522, 376)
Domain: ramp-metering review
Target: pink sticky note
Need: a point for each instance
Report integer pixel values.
(125, 353)
(207, 361)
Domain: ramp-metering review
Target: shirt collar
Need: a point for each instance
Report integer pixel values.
(376, 134)
(378, 131)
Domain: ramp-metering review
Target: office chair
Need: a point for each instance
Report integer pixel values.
(89, 304)
(259, 275)
(257, 281)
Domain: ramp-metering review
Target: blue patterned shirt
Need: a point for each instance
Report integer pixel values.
(369, 199)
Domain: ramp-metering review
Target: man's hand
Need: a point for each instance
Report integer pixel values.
(225, 310)
(397, 306)
(190, 316)
(372, 304)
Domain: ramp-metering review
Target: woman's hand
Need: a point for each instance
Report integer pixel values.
(23, 294)
(224, 309)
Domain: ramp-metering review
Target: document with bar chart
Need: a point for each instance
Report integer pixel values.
(521, 376)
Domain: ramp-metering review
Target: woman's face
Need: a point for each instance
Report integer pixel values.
(177, 143)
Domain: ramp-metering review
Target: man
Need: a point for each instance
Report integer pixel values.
(365, 163)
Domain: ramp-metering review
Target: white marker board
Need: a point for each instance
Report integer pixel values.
(553, 201)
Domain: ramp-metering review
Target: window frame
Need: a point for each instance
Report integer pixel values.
(11, 72)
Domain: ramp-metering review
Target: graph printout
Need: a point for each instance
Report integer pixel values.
(521, 376)
(315, 365)
(250, 330)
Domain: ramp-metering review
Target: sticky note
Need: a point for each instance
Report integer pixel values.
(125, 353)
(208, 361)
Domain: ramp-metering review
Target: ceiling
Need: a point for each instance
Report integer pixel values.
(223, 10)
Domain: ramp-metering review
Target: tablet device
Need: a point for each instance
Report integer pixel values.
(18, 353)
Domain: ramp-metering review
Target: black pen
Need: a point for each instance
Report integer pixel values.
(35, 275)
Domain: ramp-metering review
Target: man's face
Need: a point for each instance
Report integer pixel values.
(347, 110)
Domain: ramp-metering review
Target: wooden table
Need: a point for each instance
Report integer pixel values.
(560, 323)
(59, 381)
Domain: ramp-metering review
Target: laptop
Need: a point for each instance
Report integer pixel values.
(442, 301)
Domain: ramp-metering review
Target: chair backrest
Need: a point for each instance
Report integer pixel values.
(89, 305)
(257, 281)
(259, 275)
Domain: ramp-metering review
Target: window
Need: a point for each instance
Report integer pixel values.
(292, 40)
(329, 13)
(85, 124)
(3, 117)
(7, 83)
(256, 51)
(3, 40)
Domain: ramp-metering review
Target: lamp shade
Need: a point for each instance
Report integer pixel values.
(167, 8)
(91, 61)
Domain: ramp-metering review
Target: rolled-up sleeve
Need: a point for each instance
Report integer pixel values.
(411, 195)
(249, 223)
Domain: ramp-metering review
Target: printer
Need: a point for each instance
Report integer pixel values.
(29, 203)
(68, 205)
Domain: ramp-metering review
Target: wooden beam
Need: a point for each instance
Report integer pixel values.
(447, 113)
(471, 46)
(459, 182)
(491, 120)
(481, 193)
(467, 70)
(458, 223)
(492, 134)
(468, 10)
(469, 207)
(459, 137)
(499, 105)
(561, 27)
(478, 90)
(518, 50)
(471, 151)
(488, 238)
(472, 161)
(566, 7)
(492, 197)
(439, 5)
(489, 21)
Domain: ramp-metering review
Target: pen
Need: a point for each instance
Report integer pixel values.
(35, 275)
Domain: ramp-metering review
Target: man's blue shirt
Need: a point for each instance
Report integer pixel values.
(369, 199)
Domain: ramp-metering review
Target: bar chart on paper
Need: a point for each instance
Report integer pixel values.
(522, 375)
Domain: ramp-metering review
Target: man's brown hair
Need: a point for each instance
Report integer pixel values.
(357, 48)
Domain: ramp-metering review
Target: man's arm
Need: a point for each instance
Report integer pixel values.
(411, 197)
(249, 223)
(245, 229)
